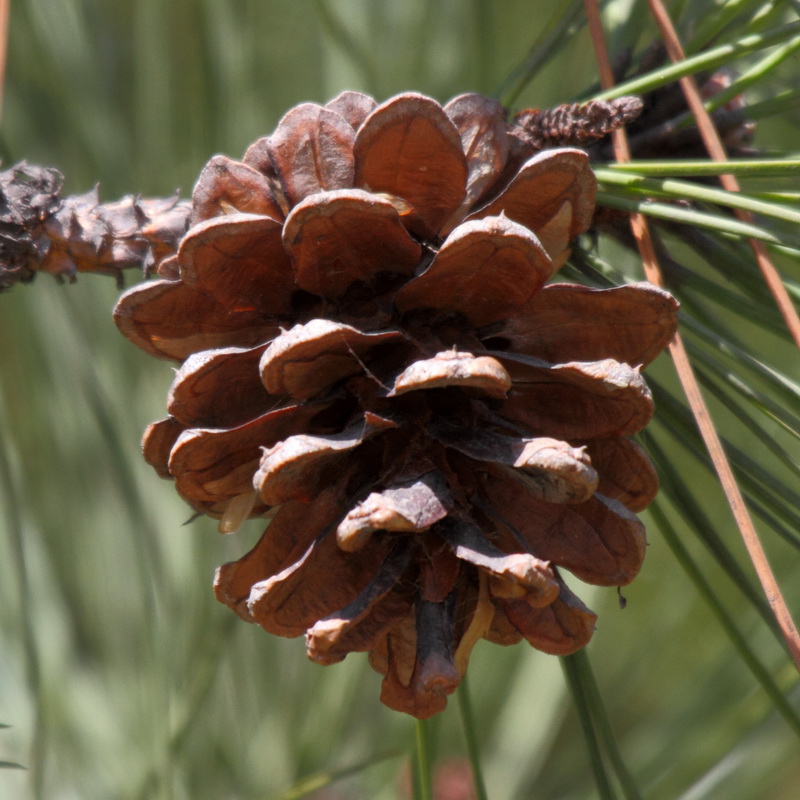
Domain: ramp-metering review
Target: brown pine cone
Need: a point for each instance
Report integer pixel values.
(372, 360)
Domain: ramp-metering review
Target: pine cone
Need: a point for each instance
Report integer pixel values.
(372, 360)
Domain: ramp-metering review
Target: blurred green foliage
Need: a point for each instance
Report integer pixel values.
(121, 675)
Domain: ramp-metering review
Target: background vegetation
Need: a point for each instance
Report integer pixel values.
(122, 677)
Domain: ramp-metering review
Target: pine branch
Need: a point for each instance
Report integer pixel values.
(42, 231)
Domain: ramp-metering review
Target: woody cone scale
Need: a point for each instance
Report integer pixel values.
(374, 359)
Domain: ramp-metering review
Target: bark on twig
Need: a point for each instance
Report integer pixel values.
(42, 231)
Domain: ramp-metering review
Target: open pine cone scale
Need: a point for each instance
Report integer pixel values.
(372, 357)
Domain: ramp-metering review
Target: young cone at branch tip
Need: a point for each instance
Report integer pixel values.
(576, 124)
(372, 355)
